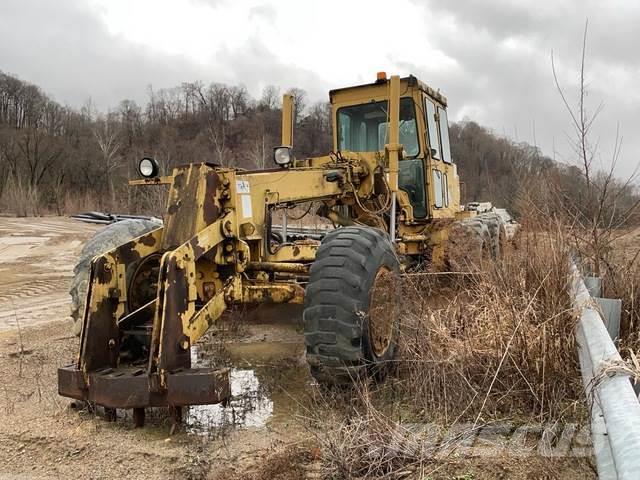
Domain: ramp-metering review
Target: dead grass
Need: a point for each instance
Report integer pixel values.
(621, 279)
(474, 350)
(291, 463)
(20, 199)
(496, 344)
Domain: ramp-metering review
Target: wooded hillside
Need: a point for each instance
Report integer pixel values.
(58, 159)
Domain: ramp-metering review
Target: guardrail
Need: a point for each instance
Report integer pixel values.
(615, 410)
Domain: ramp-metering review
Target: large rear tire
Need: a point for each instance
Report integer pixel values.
(106, 239)
(351, 310)
(475, 241)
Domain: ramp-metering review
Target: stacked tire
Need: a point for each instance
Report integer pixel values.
(475, 241)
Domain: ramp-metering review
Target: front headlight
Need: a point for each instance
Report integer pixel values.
(148, 167)
(282, 156)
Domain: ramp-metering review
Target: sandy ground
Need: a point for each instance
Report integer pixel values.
(37, 256)
(261, 435)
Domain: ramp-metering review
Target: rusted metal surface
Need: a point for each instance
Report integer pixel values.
(298, 252)
(207, 315)
(100, 317)
(198, 386)
(167, 180)
(132, 388)
(177, 301)
(382, 311)
(272, 293)
(107, 299)
(299, 268)
(120, 388)
(194, 203)
(71, 383)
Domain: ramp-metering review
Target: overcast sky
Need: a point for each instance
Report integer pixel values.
(491, 58)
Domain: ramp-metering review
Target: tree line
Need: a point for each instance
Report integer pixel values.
(59, 159)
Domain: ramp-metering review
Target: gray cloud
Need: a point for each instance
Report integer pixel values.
(502, 75)
(513, 91)
(65, 49)
(256, 67)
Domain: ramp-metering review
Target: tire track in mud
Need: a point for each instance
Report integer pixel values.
(33, 301)
(37, 256)
(21, 290)
(47, 227)
(33, 310)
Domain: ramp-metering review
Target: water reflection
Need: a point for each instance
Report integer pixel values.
(250, 404)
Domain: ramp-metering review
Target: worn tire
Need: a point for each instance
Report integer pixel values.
(106, 239)
(338, 321)
(474, 241)
(495, 226)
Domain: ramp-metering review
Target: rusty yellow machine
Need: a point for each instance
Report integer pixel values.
(389, 187)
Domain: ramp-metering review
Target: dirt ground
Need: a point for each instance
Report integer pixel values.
(36, 263)
(261, 434)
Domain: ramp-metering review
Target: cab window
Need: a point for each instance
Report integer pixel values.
(437, 188)
(444, 134)
(364, 128)
(411, 180)
(445, 189)
(432, 129)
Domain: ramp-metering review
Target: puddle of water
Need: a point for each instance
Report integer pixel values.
(250, 405)
(259, 394)
(269, 380)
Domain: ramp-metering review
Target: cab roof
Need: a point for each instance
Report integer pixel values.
(411, 80)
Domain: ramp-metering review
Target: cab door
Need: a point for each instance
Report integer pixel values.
(437, 133)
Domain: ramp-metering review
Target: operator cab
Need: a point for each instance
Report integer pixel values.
(360, 116)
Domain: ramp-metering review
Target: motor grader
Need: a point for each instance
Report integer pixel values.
(389, 187)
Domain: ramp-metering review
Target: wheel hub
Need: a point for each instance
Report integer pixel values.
(382, 311)
(144, 283)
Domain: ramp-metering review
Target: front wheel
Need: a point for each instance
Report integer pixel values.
(351, 316)
(109, 237)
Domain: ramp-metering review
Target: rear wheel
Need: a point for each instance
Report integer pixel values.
(474, 242)
(351, 311)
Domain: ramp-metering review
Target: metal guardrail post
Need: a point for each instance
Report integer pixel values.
(611, 309)
(594, 285)
(615, 410)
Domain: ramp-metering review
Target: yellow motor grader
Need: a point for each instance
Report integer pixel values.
(389, 187)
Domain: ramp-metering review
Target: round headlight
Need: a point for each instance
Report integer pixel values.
(148, 167)
(282, 156)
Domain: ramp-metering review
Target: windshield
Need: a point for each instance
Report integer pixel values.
(364, 128)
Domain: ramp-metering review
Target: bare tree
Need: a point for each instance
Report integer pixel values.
(239, 99)
(603, 210)
(109, 144)
(270, 99)
(299, 103)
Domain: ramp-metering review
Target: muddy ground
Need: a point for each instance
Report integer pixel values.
(261, 434)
